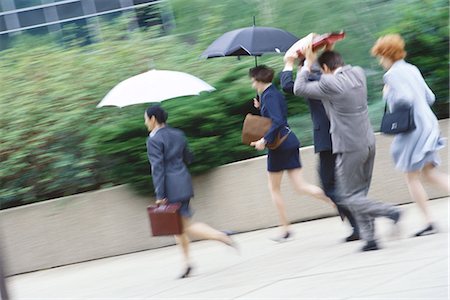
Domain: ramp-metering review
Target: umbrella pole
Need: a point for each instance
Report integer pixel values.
(256, 57)
(254, 24)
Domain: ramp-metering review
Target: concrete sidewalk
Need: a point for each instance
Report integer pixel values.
(314, 265)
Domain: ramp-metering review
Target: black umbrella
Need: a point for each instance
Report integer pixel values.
(252, 41)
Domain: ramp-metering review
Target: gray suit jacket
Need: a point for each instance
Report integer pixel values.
(168, 155)
(344, 96)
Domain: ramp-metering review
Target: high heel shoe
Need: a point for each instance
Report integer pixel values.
(284, 238)
(186, 273)
(430, 229)
(232, 243)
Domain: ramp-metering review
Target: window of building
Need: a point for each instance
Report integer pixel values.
(5, 41)
(31, 17)
(42, 31)
(136, 2)
(69, 10)
(105, 5)
(2, 24)
(26, 3)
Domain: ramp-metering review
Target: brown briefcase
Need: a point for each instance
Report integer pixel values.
(255, 127)
(165, 219)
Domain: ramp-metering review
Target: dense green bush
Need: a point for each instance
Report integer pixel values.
(55, 142)
(425, 28)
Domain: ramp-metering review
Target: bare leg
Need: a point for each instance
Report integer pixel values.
(204, 231)
(183, 241)
(418, 193)
(303, 187)
(436, 177)
(277, 198)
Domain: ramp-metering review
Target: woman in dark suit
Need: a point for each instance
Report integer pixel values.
(168, 155)
(286, 157)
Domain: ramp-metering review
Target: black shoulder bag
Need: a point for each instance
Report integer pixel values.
(399, 121)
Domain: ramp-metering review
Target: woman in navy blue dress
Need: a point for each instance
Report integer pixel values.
(286, 157)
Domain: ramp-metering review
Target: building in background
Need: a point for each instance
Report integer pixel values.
(40, 17)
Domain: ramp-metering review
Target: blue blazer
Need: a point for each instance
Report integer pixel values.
(168, 155)
(321, 123)
(273, 106)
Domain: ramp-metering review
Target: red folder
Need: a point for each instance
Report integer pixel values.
(324, 40)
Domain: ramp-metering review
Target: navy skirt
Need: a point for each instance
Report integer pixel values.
(185, 209)
(286, 156)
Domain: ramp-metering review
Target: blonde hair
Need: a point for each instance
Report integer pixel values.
(391, 46)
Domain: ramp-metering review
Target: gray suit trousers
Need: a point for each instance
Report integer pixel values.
(353, 177)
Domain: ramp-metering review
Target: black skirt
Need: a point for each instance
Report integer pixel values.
(285, 157)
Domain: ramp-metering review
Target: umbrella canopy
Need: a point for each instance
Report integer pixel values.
(253, 41)
(154, 86)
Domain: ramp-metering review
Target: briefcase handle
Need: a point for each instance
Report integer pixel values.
(166, 207)
(162, 202)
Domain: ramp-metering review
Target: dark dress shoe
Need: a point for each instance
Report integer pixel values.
(186, 273)
(353, 237)
(427, 231)
(370, 246)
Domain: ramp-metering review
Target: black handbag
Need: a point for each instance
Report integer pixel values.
(399, 121)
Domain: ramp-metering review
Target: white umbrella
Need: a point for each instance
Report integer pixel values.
(154, 86)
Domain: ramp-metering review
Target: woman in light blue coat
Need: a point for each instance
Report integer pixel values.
(415, 153)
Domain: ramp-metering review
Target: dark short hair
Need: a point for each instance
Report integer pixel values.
(159, 113)
(262, 73)
(331, 59)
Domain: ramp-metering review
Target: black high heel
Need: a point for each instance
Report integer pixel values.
(186, 273)
(430, 229)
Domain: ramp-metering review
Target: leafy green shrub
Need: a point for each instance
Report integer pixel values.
(424, 27)
(55, 142)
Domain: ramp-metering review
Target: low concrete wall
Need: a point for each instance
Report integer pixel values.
(114, 221)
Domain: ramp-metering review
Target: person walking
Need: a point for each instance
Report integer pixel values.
(322, 140)
(343, 91)
(168, 155)
(286, 157)
(414, 153)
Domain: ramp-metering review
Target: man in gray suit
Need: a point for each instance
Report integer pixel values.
(342, 89)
